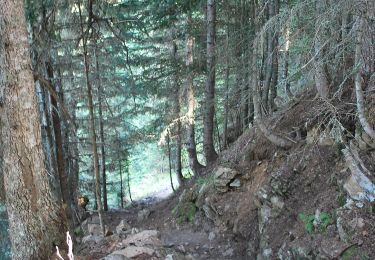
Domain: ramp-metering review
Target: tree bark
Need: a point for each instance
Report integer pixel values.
(102, 139)
(321, 81)
(59, 151)
(92, 125)
(177, 111)
(170, 160)
(37, 221)
(275, 60)
(208, 119)
(194, 164)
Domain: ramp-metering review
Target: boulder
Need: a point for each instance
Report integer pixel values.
(133, 251)
(144, 238)
(115, 257)
(123, 227)
(222, 177)
(92, 239)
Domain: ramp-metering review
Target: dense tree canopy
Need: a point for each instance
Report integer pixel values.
(139, 91)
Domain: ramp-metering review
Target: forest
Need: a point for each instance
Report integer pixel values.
(187, 129)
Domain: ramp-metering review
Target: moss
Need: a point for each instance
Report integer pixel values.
(78, 232)
(341, 199)
(349, 253)
(185, 212)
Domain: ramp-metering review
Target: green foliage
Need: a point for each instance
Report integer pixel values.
(307, 221)
(78, 232)
(204, 180)
(341, 199)
(324, 220)
(349, 253)
(184, 212)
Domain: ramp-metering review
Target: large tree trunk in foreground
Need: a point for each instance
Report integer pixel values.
(195, 166)
(37, 221)
(208, 118)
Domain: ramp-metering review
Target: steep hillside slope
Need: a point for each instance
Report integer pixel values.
(263, 202)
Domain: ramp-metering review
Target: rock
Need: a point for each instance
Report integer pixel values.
(357, 223)
(228, 253)
(235, 184)
(265, 255)
(169, 257)
(134, 231)
(115, 257)
(222, 177)
(94, 229)
(143, 214)
(265, 214)
(277, 202)
(332, 248)
(340, 229)
(181, 249)
(211, 236)
(92, 239)
(353, 189)
(144, 238)
(134, 251)
(123, 227)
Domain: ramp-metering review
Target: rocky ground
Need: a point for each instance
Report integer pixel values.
(313, 201)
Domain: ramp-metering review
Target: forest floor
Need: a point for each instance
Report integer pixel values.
(257, 202)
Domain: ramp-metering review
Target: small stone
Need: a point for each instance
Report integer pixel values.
(277, 202)
(357, 223)
(123, 226)
(235, 184)
(229, 252)
(181, 249)
(169, 257)
(211, 236)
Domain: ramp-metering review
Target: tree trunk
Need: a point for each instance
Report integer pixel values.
(208, 119)
(121, 183)
(275, 60)
(321, 81)
(286, 61)
(258, 118)
(177, 114)
(128, 180)
(102, 140)
(37, 221)
(195, 166)
(92, 126)
(59, 151)
(170, 161)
